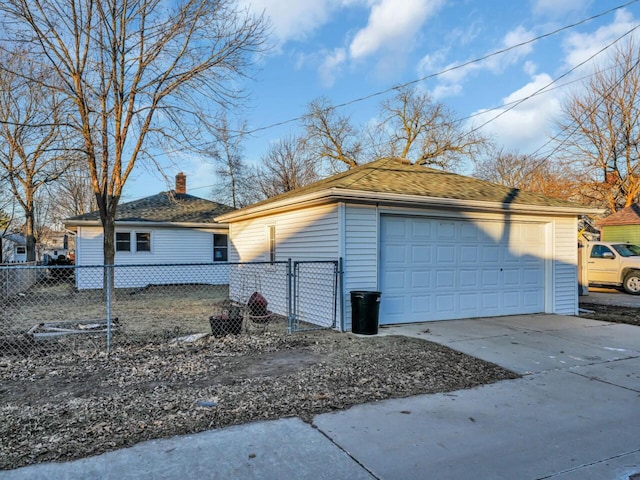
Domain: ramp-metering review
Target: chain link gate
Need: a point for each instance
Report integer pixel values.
(315, 287)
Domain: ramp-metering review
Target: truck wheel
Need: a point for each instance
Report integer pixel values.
(632, 283)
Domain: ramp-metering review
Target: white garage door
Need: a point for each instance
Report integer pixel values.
(440, 269)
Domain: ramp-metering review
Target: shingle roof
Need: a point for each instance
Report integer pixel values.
(627, 216)
(396, 176)
(164, 207)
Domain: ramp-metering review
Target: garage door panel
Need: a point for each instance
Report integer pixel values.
(420, 254)
(421, 230)
(490, 278)
(490, 254)
(469, 254)
(468, 278)
(445, 254)
(469, 302)
(445, 269)
(395, 279)
(394, 304)
(511, 277)
(446, 230)
(511, 299)
(395, 253)
(445, 304)
(445, 279)
(420, 304)
(532, 276)
(420, 279)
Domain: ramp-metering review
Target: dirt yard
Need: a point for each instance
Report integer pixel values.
(611, 313)
(88, 404)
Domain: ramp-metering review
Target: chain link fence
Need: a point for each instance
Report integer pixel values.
(100, 308)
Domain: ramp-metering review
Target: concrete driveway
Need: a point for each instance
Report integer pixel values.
(574, 415)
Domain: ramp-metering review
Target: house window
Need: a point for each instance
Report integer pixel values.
(271, 240)
(123, 242)
(20, 250)
(220, 248)
(143, 241)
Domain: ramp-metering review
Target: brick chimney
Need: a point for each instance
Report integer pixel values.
(181, 184)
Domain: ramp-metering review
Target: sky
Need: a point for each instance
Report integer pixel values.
(346, 50)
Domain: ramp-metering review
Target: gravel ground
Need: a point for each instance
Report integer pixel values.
(67, 406)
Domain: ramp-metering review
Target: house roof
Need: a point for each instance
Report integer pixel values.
(627, 216)
(16, 238)
(165, 207)
(398, 180)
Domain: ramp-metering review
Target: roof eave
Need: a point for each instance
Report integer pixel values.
(357, 196)
(129, 223)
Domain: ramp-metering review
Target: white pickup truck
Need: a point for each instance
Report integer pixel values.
(614, 264)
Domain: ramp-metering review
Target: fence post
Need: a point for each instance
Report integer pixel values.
(340, 293)
(108, 274)
(290, 282)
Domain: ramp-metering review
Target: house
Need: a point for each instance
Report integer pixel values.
(622, 226)
(437, 245)
(14, 248)
(168, 228)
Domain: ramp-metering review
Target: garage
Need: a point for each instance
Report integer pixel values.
(447, 268)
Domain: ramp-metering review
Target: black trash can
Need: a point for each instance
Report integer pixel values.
(365, 307)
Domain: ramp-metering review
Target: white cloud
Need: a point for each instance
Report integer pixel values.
(331, 65)
(526, 127)
(392, 25)
(294, 20)
(581, 46)
(557, 8)
(451, 81)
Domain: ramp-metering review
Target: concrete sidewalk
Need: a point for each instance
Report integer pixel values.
(575, 414)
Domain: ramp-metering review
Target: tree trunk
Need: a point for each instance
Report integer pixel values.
(109, 227)
(29, 234)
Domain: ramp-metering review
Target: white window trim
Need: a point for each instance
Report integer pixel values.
(133, 242)
(213, 253)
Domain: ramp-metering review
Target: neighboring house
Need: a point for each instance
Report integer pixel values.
(622, 226)
(54, 244)
(14, 248)
(437, 245)
(169, 228)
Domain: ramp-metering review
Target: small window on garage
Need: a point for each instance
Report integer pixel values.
(123, 241)
(220, 247)
(271, 242)
(143, 241)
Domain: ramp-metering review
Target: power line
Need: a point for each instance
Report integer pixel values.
(447, 70)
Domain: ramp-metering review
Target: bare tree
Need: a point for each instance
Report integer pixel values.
(330, 136)
(32, 151)
(234, 186)
(136, 71)
(601, 128)
(285, 167)
(411, 126)
(529, 173)
(425, 132)
(72, 194)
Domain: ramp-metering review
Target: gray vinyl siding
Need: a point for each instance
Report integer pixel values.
(565, 266)
(361, 254)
